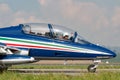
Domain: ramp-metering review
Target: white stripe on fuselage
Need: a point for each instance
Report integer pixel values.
(61, 47)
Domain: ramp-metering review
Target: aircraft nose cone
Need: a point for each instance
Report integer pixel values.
(113, 54)
(108, 52)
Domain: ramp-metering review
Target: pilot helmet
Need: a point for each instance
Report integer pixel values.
(65, 34)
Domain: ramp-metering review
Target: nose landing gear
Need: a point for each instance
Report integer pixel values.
(92, 67)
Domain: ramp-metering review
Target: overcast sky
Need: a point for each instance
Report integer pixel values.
(97, 21)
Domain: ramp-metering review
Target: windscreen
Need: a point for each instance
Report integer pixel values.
(81, 40)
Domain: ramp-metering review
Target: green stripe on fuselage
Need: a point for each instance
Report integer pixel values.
(17, 40)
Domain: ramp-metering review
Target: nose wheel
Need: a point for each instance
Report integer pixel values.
(92, 68)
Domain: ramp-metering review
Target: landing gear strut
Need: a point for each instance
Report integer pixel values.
(3, 68)
(92, 67)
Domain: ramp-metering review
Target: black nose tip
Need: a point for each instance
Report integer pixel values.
(114, 54)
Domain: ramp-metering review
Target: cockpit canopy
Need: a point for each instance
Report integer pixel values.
(53, 31)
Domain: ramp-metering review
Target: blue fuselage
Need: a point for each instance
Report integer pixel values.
(49, 48)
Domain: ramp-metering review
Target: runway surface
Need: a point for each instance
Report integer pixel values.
(58, 71)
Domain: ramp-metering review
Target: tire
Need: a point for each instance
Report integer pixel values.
(3, 68)
(91, 69)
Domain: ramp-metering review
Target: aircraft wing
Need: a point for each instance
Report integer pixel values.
(4, 50)
(11, 55)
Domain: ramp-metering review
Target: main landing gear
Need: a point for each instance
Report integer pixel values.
(3, 68)
(92, 67)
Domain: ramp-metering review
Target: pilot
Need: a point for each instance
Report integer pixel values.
(65, 36)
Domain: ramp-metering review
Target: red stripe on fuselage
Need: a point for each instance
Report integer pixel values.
(29, 46)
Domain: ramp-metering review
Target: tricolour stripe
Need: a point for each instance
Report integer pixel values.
(45, 45)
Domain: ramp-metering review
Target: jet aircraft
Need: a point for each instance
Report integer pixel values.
(30, 42)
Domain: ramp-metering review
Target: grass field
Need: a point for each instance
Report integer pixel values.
(81, 76)
(37, 66)
(108, 75)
